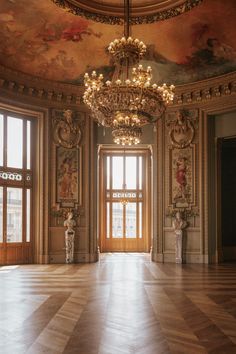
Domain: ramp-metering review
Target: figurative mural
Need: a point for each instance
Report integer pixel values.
(67, 176)
(181, 177)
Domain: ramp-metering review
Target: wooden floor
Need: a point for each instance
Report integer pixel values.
(123, 304)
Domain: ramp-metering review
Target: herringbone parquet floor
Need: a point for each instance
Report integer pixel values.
(124, 304)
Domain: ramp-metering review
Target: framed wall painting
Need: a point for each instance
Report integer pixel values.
(182, 177)
(68, 176)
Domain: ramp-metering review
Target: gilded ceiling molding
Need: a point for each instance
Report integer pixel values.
(78, 11)
(144, 17)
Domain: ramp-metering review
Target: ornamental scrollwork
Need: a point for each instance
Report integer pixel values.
(66, 130)
(108, 18)
(182, 129)
(186, 212)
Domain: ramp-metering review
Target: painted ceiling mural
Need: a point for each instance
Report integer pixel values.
(41, 39)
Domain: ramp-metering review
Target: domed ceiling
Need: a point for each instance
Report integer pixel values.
(46, 40)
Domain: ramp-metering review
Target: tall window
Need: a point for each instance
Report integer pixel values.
(124, 196)
(124, 200)
(15, 183)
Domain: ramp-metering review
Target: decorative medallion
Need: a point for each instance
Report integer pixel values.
(66, 132)
(111, 12)
(182, 129)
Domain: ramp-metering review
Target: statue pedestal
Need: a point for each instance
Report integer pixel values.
(69, 243)
(178, 247)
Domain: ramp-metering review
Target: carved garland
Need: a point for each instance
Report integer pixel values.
(182, 163)
(137, 20)
(66, 132)
(182, 129)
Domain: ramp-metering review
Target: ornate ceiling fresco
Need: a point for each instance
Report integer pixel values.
(45, 40)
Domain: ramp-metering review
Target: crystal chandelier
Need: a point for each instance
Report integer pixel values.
(129, 100)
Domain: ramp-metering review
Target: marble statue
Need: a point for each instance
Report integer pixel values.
(69, 237)
(179, 224)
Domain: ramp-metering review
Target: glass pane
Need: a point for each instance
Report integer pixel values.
(117, 220)
(1, 214)
(140, 171)
(108, 220)
(140, 221)
(28, 212)
(1, 140)
(130, 226)
(28, 143)
(117, 172)
(131, 177)
(108, 172)
(14, 215)
(14, 142)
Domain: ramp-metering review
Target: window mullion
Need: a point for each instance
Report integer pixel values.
(24, 150)
(4, 140)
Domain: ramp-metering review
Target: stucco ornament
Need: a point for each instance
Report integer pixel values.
(182, 129)
(66, 132)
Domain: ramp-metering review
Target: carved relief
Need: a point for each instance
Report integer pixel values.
(182, 128)
(110, 17)
(66, 131)
(182, 133)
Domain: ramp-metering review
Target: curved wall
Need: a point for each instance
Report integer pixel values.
(201, 100)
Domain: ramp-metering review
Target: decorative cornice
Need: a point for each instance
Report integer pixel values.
(24, 85)
(112, 15)
(205, 90)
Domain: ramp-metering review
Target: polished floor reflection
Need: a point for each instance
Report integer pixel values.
(123, 304)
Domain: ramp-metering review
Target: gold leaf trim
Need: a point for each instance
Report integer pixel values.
(110, 19)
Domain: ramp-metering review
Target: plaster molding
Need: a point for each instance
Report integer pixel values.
(57, 93)
(25, 85)
(112, 13)
(205, 90)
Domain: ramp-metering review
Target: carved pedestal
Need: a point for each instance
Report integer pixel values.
(69, 243)
(178, 247)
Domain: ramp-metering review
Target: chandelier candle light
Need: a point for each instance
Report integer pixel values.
(129, 100)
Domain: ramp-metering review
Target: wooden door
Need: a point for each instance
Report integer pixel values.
(125, 210)
(15, 189)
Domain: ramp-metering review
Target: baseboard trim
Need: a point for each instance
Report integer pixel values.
(187, 258)
(56, 258)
